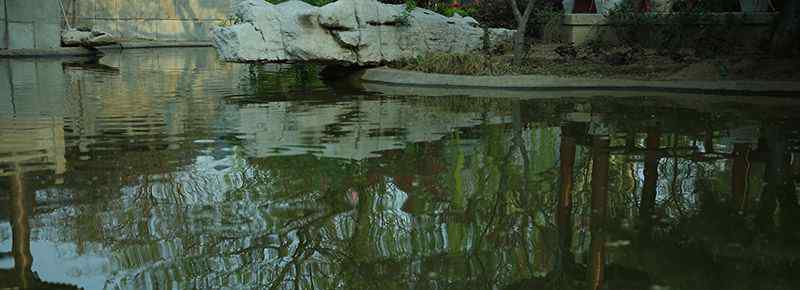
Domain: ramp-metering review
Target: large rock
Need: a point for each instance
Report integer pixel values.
(86, 37)
(362, 32)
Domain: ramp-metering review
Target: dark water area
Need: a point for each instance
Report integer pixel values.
(168, 169)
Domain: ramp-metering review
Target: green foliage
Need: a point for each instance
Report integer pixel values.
(406, 14)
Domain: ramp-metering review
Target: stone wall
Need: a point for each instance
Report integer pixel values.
(30, 24)
(160, 20)
(580, 28)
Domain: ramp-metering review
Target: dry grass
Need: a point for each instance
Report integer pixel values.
(638, 65)
(481, 64)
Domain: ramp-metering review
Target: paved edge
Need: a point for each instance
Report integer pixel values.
(155, 44)
(80, 51)
(388, 76)
(47, 52)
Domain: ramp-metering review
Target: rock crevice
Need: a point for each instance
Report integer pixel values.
(358, 32)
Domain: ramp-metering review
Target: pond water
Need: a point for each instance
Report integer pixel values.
(168, 169)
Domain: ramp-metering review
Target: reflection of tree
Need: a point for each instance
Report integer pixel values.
(21, 205)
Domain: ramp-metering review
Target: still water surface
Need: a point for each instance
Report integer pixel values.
(168, 169)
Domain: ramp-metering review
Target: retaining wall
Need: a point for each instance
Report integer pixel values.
(160, 20)
(26, 24)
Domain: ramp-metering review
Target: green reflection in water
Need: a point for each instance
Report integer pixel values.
(190, 173)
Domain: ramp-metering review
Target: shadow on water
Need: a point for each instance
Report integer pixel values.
(166, 168)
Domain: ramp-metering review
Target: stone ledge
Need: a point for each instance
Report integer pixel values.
(529, 83)
(155, 44)
(590, 19)
(46, 52)
(80, 51)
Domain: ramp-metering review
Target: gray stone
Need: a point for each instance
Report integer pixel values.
(3, 42)
(107, 9)
(47, 35)
(20, 35)
(363, 32)
(74, 37)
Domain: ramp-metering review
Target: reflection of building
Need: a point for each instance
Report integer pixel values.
(31, 145)
(352, 130)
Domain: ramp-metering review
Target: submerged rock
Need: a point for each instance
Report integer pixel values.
(362, 32)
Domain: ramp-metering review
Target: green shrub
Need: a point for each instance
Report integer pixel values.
(695, 29)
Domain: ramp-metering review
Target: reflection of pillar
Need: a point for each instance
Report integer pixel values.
(600, 161)
(779, 186)
(648, 202)
(20, 231)
(740, 174)
(708, 141)
(361, 235)
(564, 210)
(775, 175)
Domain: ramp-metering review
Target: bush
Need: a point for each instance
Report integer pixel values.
(691, 28)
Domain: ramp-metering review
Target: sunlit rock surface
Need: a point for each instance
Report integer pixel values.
(359, 32)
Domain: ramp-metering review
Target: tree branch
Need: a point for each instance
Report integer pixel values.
(528, 10)
(515, 9)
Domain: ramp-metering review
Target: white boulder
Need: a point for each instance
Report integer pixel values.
(361, 32)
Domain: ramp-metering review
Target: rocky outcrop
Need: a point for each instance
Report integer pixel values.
(86, 38)
(361, 32)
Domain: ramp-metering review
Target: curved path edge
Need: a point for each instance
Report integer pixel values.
(383, 76)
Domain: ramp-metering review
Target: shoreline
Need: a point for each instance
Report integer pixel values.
(81, 51)
(403, 78)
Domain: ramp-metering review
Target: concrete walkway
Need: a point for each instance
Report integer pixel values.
(386, 78)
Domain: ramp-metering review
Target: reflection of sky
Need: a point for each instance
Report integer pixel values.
(5, 245)
(60, 262)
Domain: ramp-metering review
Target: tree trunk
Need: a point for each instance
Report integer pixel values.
(522, 18)
(785, 39)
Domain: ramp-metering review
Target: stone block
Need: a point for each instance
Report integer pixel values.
(20, 11)
(137, 29)
(177, 30)
(151, 9)
(109, 26)
(47, 35)
(6, 104)
(85, 9)
(20, 35)
(107, 9)
(202, 9)
(83, 22)
(3, 42)
(34, 10)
